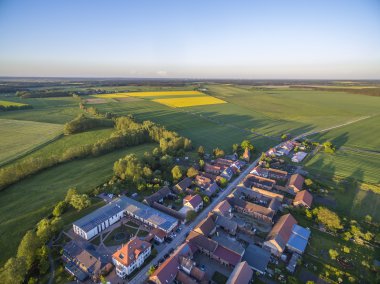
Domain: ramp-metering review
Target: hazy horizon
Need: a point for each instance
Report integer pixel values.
(255, 40)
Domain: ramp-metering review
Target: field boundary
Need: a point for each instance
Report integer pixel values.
(30, 151)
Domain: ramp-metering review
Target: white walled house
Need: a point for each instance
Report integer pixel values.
(131, 256)
(193, 202)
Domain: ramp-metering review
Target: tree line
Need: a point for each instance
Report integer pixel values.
(14, 107)
(83, 123)
(127, 132)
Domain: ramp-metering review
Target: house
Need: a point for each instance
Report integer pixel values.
(213, 169)
(262, 193)
(269, 173)
(227, 173)
(223, 208)
(131, 256)
(158, 196)
(298, 239)
(295, 183)
(238, 165)
(242, 274)
(206, 227)
(258, 212)
(202, 243)
(202, 181)
(83, 263)
(285, 148)
(226, 224)
(183, 185)
(303, 198)
(259, 182)
(211, 190)
(92, 224)
(298, 157)
(168, 270)
(257, 258)
(223, 162)
(159, 235)
(193, 202)
(280, 234)
(226, 256)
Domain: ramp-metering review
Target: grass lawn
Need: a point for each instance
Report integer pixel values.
(8, 103)
(25, 203)
(219, 278)
(111, 241)
(18, 137)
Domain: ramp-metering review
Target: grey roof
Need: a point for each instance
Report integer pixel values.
(90, 221)
(257, 258)
(95, 218)
(156, 217)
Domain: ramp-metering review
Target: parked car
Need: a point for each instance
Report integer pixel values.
(171, 250)
(166, 256)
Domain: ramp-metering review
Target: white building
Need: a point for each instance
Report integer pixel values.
(97, 221)
(298, 157)
(131, 256)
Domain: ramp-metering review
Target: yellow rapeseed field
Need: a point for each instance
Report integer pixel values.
(190, 101)
(148, 94)
(7, 103)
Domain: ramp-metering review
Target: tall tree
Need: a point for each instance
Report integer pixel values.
(176, 172)
(28, 248)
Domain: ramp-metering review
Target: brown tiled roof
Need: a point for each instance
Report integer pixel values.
(268, 193)
(202, 181)
(206, 226)
(224, 162)
(251, 207)
(242, 274)
(212, 168)
(183, 278)
(304, 197)
(159, 233)
(167, 272)
(183, 184)
(202, 241)
(198, 274)
(282, 230)
(194, 200)
(297, 181)
(227, 255)
(130, 251)
(223, 207)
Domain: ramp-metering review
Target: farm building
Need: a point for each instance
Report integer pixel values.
(158, 196)
(242, 274)
(295, 183)
(303, 198)
(269, 173)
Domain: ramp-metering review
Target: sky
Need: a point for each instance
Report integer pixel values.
(284, 39)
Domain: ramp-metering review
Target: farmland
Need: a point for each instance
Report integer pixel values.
(150, 94)
(191, 101)
(8, 103)
(19, 136)
(25, 203)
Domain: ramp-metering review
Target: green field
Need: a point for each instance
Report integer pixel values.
(19, 136)
(362, 134)
(25, 203)
(357, 165)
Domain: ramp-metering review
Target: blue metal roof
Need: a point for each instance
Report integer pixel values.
(301, 231)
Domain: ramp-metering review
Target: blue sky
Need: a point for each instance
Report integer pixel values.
(191, 39)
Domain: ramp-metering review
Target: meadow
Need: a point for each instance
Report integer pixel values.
(149, 94)
(18, 136)
(22, 205)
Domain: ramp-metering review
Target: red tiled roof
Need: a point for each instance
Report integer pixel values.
(227, 255)
(303, 197)
(194, 200)
(242, 274)
(283, 228)
(296, 180)
(205, 226)
(159, 233)
(223, 207)
(130, 251)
